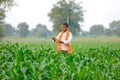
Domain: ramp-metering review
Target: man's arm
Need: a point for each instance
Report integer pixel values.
(65, 42)
(58, 41)
(55, 40)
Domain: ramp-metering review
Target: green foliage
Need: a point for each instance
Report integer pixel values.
(69, 12)
(40, 31)
(1, 31)
(85, 33)
(2, 14)
(39, 61)
(8, 30)
(97, 30)
(108, 32)
(23, 29)
(115, 27)
(6, 4)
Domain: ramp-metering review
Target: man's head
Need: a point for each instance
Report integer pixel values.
(64, 27)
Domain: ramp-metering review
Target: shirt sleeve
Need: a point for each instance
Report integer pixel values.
(69, 39)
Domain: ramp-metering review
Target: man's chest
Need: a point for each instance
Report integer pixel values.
(64, 36)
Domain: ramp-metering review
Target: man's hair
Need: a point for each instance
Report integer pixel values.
(66, 24)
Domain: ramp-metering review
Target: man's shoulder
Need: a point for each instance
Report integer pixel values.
(70, 33)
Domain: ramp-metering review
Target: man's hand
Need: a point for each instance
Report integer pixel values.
(58, 41)
(54, 39)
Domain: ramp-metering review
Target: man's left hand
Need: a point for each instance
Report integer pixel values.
(54, 39)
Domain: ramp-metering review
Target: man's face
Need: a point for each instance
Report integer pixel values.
(64, 28)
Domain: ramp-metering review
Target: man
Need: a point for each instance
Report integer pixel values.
(64, 39)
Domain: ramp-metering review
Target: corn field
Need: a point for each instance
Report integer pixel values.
(91, 60)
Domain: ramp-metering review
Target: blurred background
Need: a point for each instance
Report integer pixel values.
(43, 18)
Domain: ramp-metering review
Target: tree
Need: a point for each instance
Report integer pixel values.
(2, 16)
(23, 29)
(115, 27)
(4, 5)
(40, 31)
(32, 32)
(69, 12)
(97, 30)
(8, 30)
(84, 33)
(108, 32)
(1, 30)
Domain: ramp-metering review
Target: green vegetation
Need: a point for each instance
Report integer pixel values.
(92, 59)
(115, 27)
(97, 30)
(4, 5)
(68, 11)
(23, 29)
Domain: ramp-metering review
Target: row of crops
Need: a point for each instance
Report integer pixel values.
(25, 62)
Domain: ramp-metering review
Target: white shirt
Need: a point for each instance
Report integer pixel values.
(64, 40)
